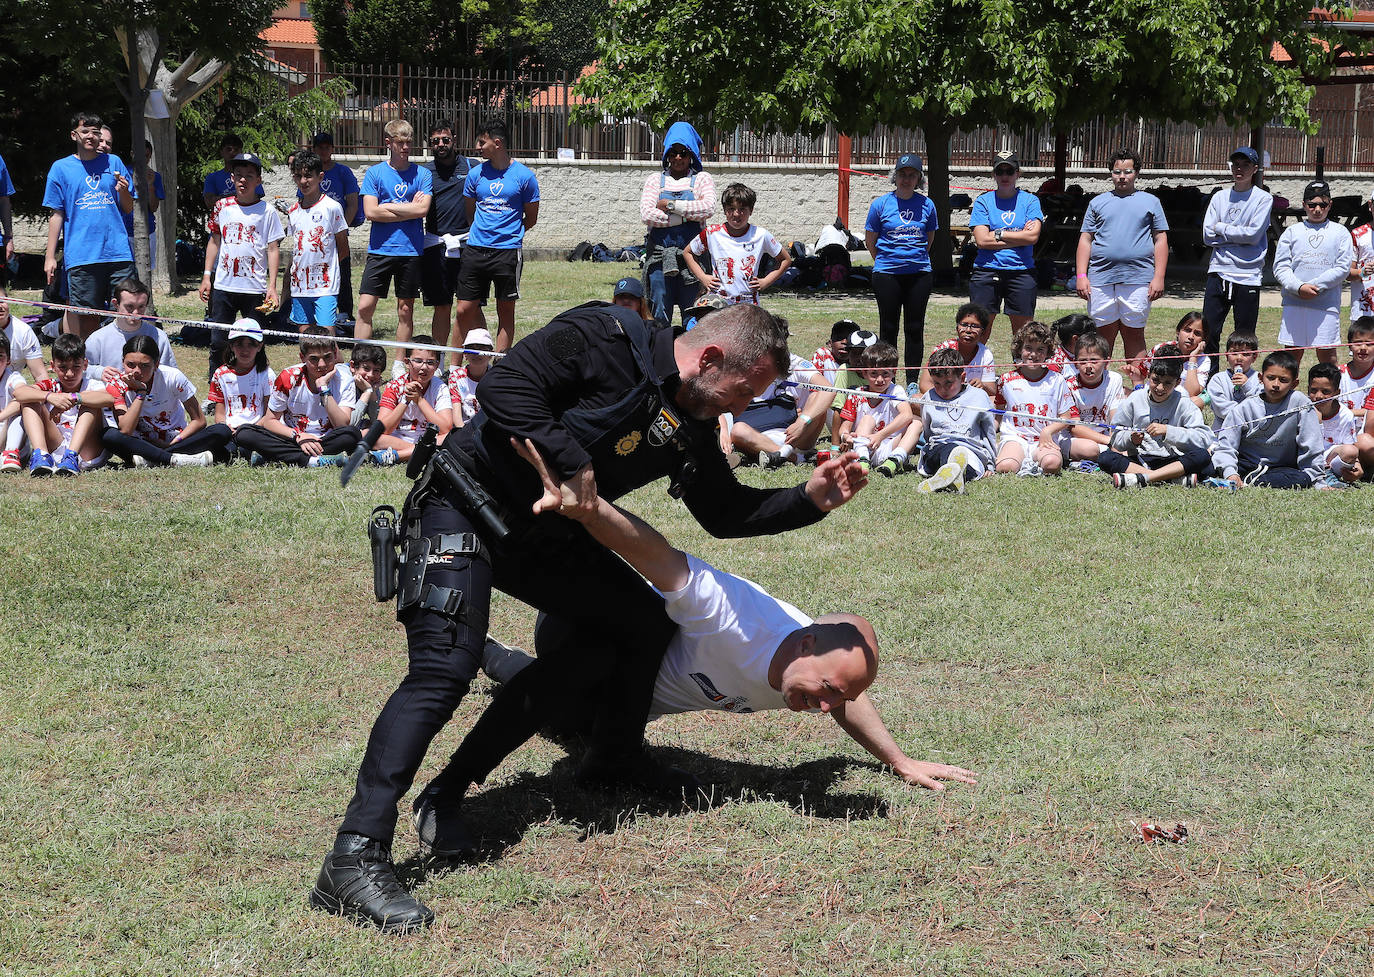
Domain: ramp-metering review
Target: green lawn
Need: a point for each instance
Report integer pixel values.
(194, 660)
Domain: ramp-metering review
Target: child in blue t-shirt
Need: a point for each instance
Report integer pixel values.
(502, 201)
(396, 197)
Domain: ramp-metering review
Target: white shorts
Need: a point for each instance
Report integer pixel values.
(1309, 327)
(1063, 440)
(1127, 304)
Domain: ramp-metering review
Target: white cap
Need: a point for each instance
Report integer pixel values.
(245, 327)
(478, 339)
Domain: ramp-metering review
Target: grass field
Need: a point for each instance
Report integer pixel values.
(194, 660)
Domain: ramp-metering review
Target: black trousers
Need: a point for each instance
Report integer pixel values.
(608, 625)
(902, 300)
(1220, 297)
(284, 451)
(213, 438)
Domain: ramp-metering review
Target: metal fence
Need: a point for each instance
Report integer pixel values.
(538, 110)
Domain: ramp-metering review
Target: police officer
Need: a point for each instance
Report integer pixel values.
(611, 404)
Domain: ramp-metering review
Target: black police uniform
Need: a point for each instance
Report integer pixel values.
(584, 390)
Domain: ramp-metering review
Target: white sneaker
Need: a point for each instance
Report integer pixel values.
(198, 460)
(949, 476)
(141, 462)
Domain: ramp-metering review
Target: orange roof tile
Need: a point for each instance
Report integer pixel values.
(289, 31)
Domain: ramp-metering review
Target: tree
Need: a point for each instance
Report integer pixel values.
(472, 35)
(945, 65)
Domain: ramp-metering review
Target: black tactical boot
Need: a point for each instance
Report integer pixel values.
(359, 881)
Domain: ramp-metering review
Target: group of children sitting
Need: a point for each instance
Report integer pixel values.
(146, 412)
(1060, 406)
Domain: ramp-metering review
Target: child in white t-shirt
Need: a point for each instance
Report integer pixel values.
(62, 413)
(412, 402)
(240, 389)
(11, 426)
(320, 235)
(1338, 426)
(462, 380)
(1039, 408)
(158, 418)
(737, 248)
(1357, 376)
(1097, 391)
(880, 428)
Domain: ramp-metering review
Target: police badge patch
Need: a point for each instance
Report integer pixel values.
(663, 428)
(628, 443)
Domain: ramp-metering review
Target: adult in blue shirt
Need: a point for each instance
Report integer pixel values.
(6, 227)
(1006, 225)
(88, 193)
(396, 197)
(897, 234)
(221, 182)
(339, 183)
(502, 200)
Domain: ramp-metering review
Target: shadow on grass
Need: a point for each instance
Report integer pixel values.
(500, 817)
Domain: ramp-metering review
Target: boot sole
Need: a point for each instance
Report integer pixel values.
(324, 901)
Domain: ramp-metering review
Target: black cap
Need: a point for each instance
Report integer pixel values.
(1005, 157)
(1317, 188)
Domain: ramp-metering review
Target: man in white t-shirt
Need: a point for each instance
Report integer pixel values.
(737, 649)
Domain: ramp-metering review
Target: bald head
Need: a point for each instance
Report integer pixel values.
(827, 663)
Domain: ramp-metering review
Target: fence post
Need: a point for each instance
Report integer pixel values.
(1355, 130)
(845, 146)
(400, 88)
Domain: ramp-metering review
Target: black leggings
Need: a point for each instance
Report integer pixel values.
(212, 439)
(275, 448)
(906, 296)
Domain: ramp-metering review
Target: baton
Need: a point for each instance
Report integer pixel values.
(368, 442)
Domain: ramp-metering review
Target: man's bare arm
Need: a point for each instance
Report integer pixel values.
(859, 718)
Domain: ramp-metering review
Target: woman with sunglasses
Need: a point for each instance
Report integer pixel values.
(1311, 263)
(1006, 225)
(675, 205)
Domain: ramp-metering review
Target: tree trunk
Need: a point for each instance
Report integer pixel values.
(937, 177)
(137, 98)
(164, 136)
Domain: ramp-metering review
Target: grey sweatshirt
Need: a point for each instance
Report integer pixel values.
(1237, 229)
(1254, 436)
(1314, 254)
(965, 420)
(1186, 428)
(1225, 396)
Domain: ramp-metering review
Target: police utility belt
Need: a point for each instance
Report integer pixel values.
(399, 564)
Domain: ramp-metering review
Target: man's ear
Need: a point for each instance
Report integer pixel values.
(807, 644)
(710, 355)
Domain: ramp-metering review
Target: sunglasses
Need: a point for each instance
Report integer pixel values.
(1004, 171)
(440, 141)
(1320, 204)
(679, 151)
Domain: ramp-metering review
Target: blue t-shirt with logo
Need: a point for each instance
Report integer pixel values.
(159, 193)
(84, 191)
(1009, 214)
(337, 183)
(501, 195)
(221, 184)
(403, 238)
(904, 228)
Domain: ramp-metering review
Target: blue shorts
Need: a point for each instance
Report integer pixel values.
(92, 286)
(318, 310)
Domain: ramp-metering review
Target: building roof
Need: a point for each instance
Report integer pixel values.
(290, 31)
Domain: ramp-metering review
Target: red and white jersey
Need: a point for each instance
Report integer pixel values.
(1362, 288)
(1097, 405)
(1062, 362)
(245, 231)
(1037, 403)
(856, 405)
(412, 423)
(10, 381)
(1340, 428)
(66, 420)
(163, 414)
(300, 407)
(1355, 390)
(735, 260)
(462, 394)
(977, 370)
(825, 364)
(315, 256)
(1199, 361)
(244, 395)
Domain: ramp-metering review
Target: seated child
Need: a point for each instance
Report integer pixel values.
(781, 425)
(846, 375)
(159, 420)
(309, 410)
(463, 380)
(1098, 392)
(831, 358)
(1162, 436)
(879, 428)
(1339, 429)
(1237, 382)
(1033, 399)
(411, 403)
(62, 414)
(11, 425)
(1357, 376)
(1197, 365)
(959, 427)
(971, 322)
(367, 365)
(1069, 330)
(240, 388)
(1270, 440)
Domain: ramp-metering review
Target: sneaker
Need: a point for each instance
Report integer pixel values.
(1217, 482)
(327, 461)
(141, 462)
(1256, 475)
(1129, 480)
(912, 463)
(1330, 481)
(68, 466)
(1187, 481)
(256, 460)
(889, 468)
(1030, 470)
(949, 476)
(40, 465)
(1085, 467)
(913, 392)
(9, 461)
(384, 456)
(200, 459)
(772, 459)
(441, 831)
(863, 467)
(358, 881)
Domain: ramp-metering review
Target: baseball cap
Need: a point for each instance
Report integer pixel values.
(247, 158)
(1005, 157)
(1317, 188)
(245, 327)
(629, 286)
(478, 339)
(322, 137)
(843, 329)
(908, 160)
(1246, 153)
(861, 339)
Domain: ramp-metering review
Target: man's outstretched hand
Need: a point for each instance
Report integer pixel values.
(835, 482)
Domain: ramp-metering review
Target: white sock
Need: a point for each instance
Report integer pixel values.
(786, 451)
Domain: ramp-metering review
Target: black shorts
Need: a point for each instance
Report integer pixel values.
(382, 268)
(484, 267)
(993, 288)
(438, 276)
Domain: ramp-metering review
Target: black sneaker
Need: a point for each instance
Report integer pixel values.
(358, 881)
(441, 830)
(773, 459)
